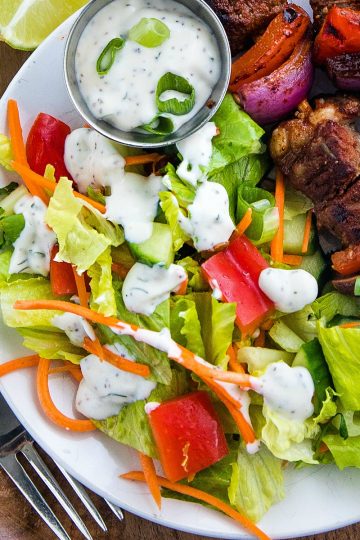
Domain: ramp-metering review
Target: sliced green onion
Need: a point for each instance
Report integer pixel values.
(176, 83)
(357, 287)
(149, 32)
(265, 216)
(159, 125)
(107, 57)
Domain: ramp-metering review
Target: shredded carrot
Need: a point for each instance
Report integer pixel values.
(277, 244)
(18, 148)
(292, 260)
(245, 429)
(116, 360)
(143, 159)
(48, 406)
(323, 448)
(354, 324)
(37, 180)
(181, 290)
(64, 369)
(234, 365)
(260, 340)
(204, 497)
(120, 270)
(245, 222)
(151, 479)
(81, 288)
(307, 231)
(266, 325)
(19, 363)
(77, 375)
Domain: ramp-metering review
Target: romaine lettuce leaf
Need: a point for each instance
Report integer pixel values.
(196, 281)
(102, 291)
(256, 482)
(82, 236)
(341, 347)
(295, 203)
(185, 325)
(30, 289)
(10, 228)
(345, 452)
(303, 323)
(131, 425)
(352, 420)
(171, 209)
(51, 344)
(184, 193)
(239, 135)
(329, 407)
(6, 155)
(284, 337)
(331, 304)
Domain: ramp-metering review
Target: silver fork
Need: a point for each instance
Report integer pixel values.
(15, 440)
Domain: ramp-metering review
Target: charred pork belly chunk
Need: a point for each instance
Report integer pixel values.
(321, 9)
(244, 19)
(319, 153)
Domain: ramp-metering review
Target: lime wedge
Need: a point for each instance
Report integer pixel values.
(25, 23)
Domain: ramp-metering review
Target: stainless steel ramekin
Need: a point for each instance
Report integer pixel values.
(201, 10)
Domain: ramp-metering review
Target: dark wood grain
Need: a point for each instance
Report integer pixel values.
(19, 522)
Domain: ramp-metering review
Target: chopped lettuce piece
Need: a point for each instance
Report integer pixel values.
(171, 209)
(51, 344)
(296, 203)
(217, 326)
(102, 291)
(341, 347)
(303, 323)
(345, 452)
(10, 228)
(131, 425)
(329, 407)
(185, 325)
(284, 337)
(331, 304)
(8, 203)
(239, 135)
(196, 282)
(256, 482)
(184, 193)
(6, 155)
(30, 289)
(258, 358)
(82, 235)
(352, 420)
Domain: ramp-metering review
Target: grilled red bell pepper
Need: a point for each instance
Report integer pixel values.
(339, 34)
(235, 271)
(61, 276)
(188, 435)
(46, 145)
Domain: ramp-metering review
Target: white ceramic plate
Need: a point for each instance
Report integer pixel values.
(317, 499)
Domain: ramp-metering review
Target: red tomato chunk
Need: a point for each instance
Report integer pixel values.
(45, 145)
(188, 435)
(61, 276)
(236, 272)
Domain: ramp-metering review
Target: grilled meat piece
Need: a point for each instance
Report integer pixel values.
(321, 9)
(319, 153)
(244, 19)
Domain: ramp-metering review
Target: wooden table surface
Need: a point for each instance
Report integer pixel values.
(19, 522)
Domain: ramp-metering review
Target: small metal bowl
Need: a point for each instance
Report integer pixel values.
(144, 140)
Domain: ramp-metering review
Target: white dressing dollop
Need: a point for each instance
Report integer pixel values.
(145, 287)
(75, 327)
(33, 247)
(196, 152)
(290, 290)
(287, 390)
(209, 222)
(91, 159)
(105, 389)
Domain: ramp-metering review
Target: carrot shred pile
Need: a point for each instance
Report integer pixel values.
(151, 478)
(81, 288)
(234, 365)
(19, 363)
(245, 222)
(307, 231)
(354, 324)
(277, 244)
(292, 260)
(116, 360)
(204, 497)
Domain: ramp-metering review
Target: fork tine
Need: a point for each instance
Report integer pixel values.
(37, 463)
(117, 511)
(84, 497)
(23, 482)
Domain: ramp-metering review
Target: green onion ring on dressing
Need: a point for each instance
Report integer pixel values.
(149, 32)
(170, 81)
(107, 57)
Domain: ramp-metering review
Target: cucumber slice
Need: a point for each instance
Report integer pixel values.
(314, 264)
(157, 249)
(294, 234)
(285, 338)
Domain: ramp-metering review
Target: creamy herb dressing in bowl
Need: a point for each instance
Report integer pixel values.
(147, 72)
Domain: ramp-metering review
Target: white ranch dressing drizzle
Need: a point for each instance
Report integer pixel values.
(209, 222)
(290, 290)
(125, 97)
(105, 389)
(196, 152)
(75, 327)
(287, 390)
(145, 287)
(91, 159)
(32, 248)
